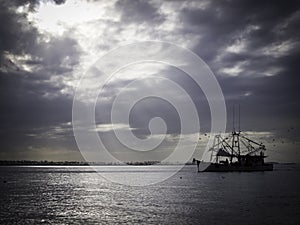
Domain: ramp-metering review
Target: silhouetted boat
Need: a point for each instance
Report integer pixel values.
(227, 157)
(233, 153)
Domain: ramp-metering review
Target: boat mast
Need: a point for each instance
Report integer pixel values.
(233, 132)
(235, 136)
(233, 119)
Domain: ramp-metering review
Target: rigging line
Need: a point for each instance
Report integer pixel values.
(254, 142)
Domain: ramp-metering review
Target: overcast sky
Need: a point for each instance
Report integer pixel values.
(252, 47)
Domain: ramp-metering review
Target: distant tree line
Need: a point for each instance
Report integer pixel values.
(77, 163)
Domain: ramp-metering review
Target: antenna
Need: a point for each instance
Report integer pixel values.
(239, 118)
(233, 127)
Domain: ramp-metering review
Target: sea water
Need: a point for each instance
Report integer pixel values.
(78, 195)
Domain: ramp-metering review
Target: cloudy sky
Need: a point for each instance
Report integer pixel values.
(252, 47)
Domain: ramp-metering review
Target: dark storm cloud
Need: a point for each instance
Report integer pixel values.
(263, 26)
(138, 11)
(27, 109)
(222, 23)
(16, 36)
(31, 102)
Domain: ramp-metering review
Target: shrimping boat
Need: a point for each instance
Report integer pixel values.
(236, 152)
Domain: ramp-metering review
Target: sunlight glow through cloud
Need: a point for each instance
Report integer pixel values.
(57, 19)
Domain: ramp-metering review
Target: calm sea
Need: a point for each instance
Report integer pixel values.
(77, 195)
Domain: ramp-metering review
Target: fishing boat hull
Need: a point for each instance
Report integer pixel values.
(216, 167)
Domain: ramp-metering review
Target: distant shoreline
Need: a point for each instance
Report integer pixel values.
(76, 163)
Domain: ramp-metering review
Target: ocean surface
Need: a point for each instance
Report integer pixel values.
(78, 195)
